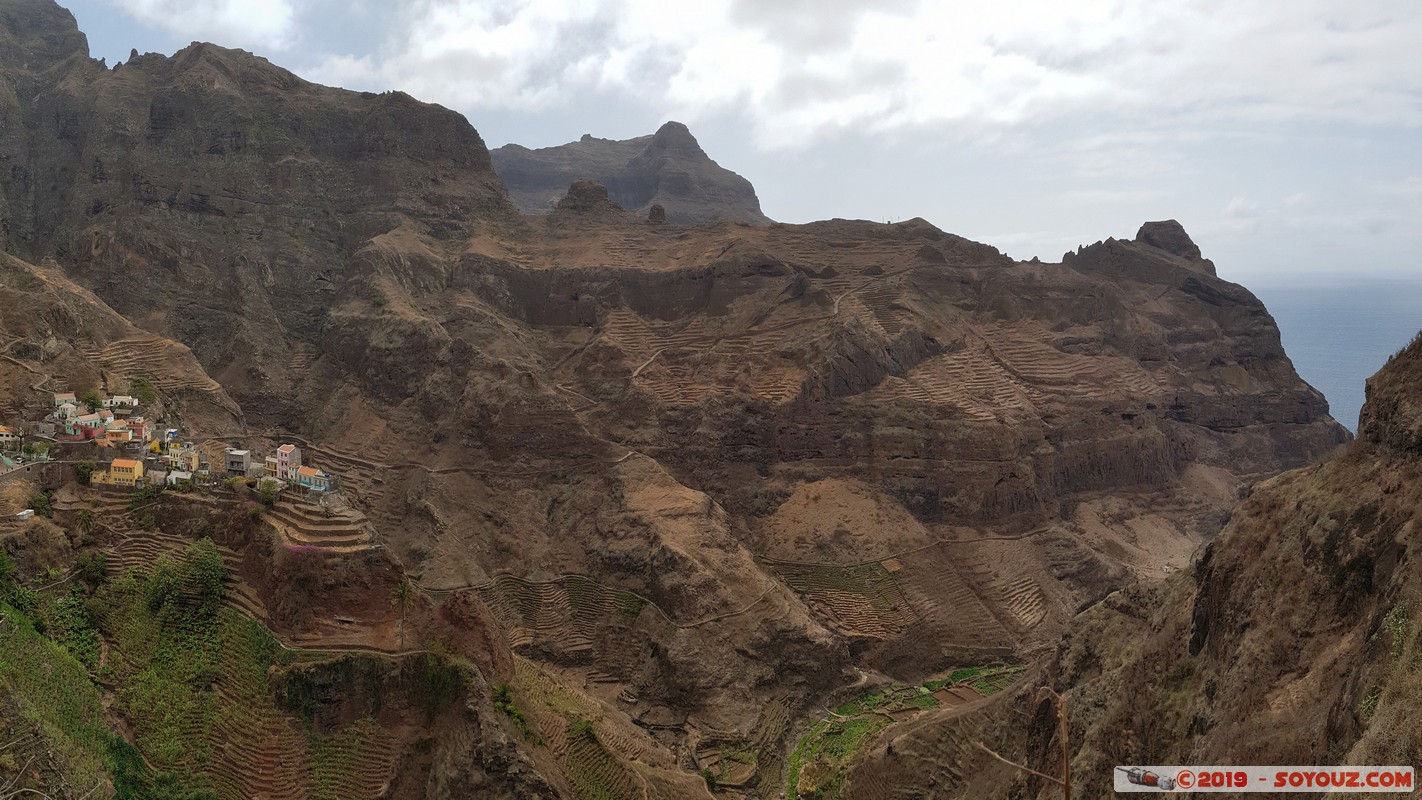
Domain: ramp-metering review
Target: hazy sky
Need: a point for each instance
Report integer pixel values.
(1286, 136)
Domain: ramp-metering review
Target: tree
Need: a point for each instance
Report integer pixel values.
(143, 390)
(39, 501)
(84, 471)
(206, 574)
(84, 521)
(92, 400)
(267, 492)
(165, 586)
(93, 568)
(400, 596)
(36, 448)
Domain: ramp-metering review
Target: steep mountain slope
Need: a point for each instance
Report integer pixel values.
(1293, 639)
(214, 195)
(58, 336)
(668, 169)
(699, 480)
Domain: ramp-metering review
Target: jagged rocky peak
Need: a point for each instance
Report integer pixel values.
(37, 34)
(1391, 420)
(675, 137)
(1170, 236)
(668, 168)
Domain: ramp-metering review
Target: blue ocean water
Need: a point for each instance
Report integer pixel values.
(1339, 335)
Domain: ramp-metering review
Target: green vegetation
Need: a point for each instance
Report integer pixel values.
(267, 492)
(1397, 624)
(36, 449)
(39, 501)
(164, 660)
(140, 496)
(823, 755)
(143, 390)
(438, 683)
(336, 756)
(504, 702)
(205, 575)
(1369, 704)
(54, 690)
(629, 604)
(400, 597)
(167, 652)
(71, 625)
(91, 400)
(84, 472)
(84, 522)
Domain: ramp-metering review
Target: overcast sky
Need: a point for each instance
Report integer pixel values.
(1286, 136)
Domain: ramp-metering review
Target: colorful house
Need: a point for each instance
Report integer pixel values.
(66, 410)
(93, 422)
(142, 430)
(60, 398)
(185, 458)
(9, 438)
(122, 472)
(120, 401)
(313, 479)
(117, 433)
(288, 461)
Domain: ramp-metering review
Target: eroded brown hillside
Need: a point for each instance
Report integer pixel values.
(684, 484)
(1293, 639)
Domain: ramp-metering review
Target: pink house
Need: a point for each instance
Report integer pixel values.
(288, 461)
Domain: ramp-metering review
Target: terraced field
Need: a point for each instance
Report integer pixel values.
(306, 525)
(257, 752)
(863, 599)
(826, 761)
(260, 751)
(352, 764)
(948, 760)
(565, 612)
(1041, 364)
(155, 359)
(595, 773)
(950, 610)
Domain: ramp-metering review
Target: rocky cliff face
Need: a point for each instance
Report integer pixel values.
(667, 169)
(1293, 638)
(699, 478)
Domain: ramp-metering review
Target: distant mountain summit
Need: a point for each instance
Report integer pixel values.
(668, 168)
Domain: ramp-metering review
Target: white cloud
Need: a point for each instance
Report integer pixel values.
(253, 24)
(1239, 208)
(801, 71)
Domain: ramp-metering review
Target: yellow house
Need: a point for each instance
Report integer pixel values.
(121, 472)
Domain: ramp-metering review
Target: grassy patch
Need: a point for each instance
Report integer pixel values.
(337, 757)
(824, 754)
(822, 757)
(504, 702)
(54, 692)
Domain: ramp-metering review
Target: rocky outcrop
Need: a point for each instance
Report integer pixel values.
(668, 169)
(1392, 417)
(1170, 236)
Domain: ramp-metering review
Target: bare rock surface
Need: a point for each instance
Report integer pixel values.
(667, 169)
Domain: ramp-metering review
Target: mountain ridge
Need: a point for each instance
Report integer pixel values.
(672, 486)
(667, 168)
